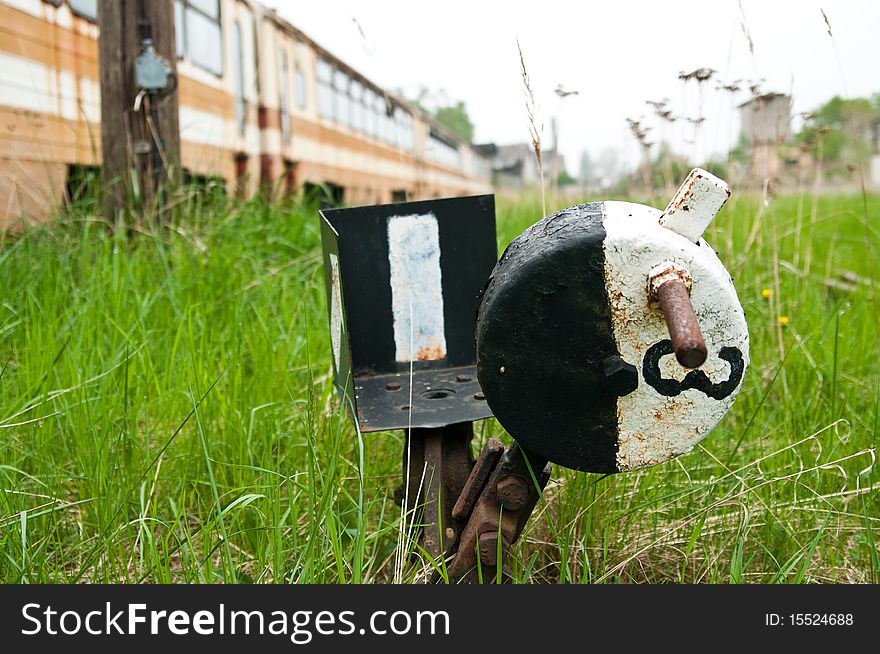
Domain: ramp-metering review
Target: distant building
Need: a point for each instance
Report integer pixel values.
(766, 130)
(514, 166)
(766, 119)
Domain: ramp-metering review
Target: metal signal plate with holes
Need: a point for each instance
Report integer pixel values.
(439, 397)
(403, 287)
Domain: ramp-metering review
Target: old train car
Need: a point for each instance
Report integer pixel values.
(325, 122)
(260, 103)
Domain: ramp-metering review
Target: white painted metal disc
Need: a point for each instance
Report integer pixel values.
(653, 427)
(575, 358)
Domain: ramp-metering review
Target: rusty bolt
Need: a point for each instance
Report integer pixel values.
(623, 377)
(687, 339)
(513, 492)
(489, 547)
(670, 285)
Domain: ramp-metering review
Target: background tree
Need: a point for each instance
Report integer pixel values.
(455, 118)
(452, 114)
(564, 179)
(847, 129)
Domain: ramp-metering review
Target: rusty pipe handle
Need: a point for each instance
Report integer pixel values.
(684, 330)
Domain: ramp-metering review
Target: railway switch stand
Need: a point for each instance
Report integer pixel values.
(608, 337)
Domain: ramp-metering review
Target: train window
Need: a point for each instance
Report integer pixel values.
(199, 33)
(383, 126)
(378, 116)
(85, 8)
(388, 128)
(405, 129)
(343, 102)
(397, 124)
(384, 132)
(400, 128)
(325, 71)
(284, 94)
(443, 150)
(369, 103)
(357, 106)
(203, 42)
(325, 88)
(238, 60)
(210, 8)
(179, 28)
(369, 112)
(299, 81)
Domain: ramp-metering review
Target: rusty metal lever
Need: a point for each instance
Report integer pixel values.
(684, 330)
(499, 511)
(670, 285)
(465, 518)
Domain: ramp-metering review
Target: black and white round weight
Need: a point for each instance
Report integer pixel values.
(573, 353)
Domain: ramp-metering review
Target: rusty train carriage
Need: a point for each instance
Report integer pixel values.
(259, 102)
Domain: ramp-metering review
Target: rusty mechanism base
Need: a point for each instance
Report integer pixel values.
(471, 513)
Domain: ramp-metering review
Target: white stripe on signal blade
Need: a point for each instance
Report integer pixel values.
(416, 287)
(337, 320)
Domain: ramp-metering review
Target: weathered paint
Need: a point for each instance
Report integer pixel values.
(667, 271)
(429, 260)
(695, 204)
(337, 319)
(574, 354)
(653, 427)
(416, 287)
(545, 340)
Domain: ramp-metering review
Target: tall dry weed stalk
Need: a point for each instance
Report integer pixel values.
(869, 237)
(664, 113)
(640, 132)
(534, 127)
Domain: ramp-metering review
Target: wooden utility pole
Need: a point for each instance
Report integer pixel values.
(140, 132)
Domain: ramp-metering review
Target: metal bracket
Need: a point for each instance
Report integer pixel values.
(469, 512)
(436, 463)
(497, 500)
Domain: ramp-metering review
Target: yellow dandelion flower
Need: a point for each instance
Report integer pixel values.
(766, 293)
(783, 320)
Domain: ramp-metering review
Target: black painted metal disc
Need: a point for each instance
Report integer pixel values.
(574, 357)
(544, 338)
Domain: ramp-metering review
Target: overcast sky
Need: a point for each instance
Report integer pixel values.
(617, 54)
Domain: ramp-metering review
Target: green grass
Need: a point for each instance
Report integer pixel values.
(166, 415)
